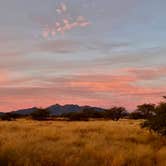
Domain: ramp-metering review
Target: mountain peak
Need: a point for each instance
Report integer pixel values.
(57, 109)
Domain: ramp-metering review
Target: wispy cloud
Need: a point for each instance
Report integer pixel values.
(79, 51)
(148, 73)
(100, 89)
(59, 46)
(64, 22)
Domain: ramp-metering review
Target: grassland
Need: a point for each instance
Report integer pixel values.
(93, 143)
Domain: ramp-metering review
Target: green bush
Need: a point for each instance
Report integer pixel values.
(157, 122)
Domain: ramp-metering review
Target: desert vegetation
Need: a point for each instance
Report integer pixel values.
(157, 122)
(92, 143)
(112, 137)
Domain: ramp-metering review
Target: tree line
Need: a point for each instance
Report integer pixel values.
(154, 115)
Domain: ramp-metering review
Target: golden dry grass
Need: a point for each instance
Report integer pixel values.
(93, 143)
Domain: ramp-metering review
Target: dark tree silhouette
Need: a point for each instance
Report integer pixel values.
(84, 115)
(147, 110)
(115, 113)
(157, 122)
(77, 116)
(40, 114)
(8, 116)
(136, 115)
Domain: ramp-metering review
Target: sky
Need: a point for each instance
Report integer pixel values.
(87, 52)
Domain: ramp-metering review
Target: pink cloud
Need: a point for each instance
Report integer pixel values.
(64, 26)
(62, 8)
(123, 84)
(97, 89)
(148, 73)
(64, 22)
(4, 77)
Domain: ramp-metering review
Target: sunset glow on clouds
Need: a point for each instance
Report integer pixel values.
(65, 22)
(86, 52)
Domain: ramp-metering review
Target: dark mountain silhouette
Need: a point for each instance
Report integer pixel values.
(58, 109)
(26, 111)
(1, 113)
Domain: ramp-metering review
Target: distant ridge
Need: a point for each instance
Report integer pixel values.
(26, 111)
(58, 109)
(1, 113)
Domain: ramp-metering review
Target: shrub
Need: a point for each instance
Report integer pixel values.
(84, 115)
(115, 113)
(6, 117)
(40, 114)
(146, 110)
(9, 116)
(136, 115)
(92, 113)
(157, 122)
(78, 116)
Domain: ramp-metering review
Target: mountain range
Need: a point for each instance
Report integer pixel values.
(56, 109)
